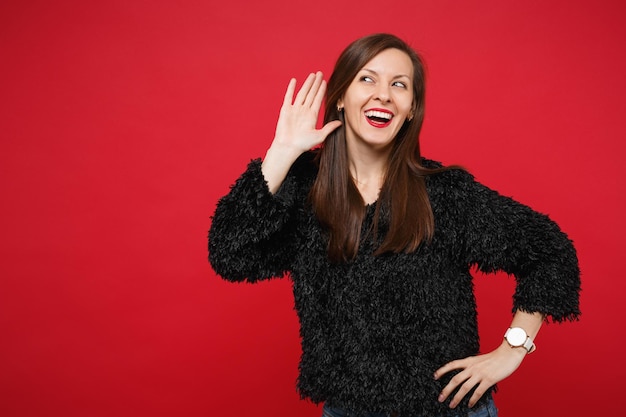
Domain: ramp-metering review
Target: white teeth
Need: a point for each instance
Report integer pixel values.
(379, 114)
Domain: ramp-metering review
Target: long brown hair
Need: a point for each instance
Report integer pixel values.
(335, 198)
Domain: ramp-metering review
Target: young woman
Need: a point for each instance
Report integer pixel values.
(379, 243)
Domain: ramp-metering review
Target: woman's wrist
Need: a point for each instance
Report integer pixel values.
(278, 159)
(517, 351)
(282, 154)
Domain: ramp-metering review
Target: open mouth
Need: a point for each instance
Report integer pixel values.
(378, 118)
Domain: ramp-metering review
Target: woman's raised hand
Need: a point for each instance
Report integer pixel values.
(296, 130)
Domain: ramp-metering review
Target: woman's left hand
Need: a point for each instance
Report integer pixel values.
(482, 372)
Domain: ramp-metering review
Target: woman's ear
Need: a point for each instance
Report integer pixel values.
(412, 112)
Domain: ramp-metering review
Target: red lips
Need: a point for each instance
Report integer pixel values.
(378, 118)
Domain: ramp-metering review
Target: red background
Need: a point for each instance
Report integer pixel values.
(123, 122)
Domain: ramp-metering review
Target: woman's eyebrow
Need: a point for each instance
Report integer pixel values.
(375, 73)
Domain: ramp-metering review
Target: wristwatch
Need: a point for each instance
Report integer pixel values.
(517, 337)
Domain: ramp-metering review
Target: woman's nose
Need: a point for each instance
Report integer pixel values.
(382, 93)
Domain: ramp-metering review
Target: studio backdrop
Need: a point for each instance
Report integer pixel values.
(123, 122)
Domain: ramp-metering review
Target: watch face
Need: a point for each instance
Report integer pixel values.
(516, 336)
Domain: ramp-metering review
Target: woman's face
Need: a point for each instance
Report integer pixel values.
(379, 100)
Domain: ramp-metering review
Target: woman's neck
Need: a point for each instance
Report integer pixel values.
(368, 173)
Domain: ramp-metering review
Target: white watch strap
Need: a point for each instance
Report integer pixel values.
(529, 345)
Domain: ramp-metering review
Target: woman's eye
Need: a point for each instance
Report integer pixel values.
(399, 84)
(367, 79)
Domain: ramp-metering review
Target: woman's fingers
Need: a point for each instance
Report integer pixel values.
(475, 381)
(480, 390)
(305, 89)
(311, 97)
(464, 381)
(319, 95)
(456, 380)
(450, 366)
(482, 372)
(291, 88)
(311, 94)
(464, 388)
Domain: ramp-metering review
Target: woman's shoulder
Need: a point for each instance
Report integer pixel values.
(448, 175)
(431, 163)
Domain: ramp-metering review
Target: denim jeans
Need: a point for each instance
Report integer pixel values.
(487, 410)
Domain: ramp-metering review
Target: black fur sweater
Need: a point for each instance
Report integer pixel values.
(375, 329)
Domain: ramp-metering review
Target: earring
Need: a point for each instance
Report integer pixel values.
(410, 117)
(339, 108)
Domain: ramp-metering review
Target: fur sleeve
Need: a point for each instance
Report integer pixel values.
(251, 235)
(502, 234)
